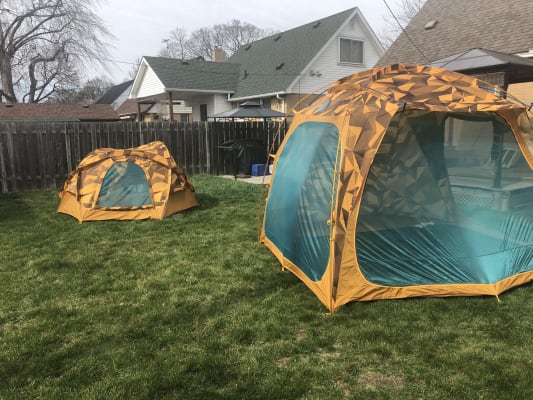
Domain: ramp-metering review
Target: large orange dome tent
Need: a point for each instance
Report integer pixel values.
(125, 184)
(404, 181)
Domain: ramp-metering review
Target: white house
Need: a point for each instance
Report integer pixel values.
(278, 71)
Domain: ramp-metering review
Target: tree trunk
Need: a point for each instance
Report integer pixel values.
(7, 89)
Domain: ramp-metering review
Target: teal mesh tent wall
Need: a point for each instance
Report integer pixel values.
(301, 197)
(442, 203)
(124, 185)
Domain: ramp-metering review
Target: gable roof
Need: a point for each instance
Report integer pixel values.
(506, 27)
(113, 93)
(267, 66)
(197, 75)
(271, 64)
(57, 112)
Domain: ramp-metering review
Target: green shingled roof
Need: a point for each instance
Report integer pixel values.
(271, 64)
(195, 74)
(268, 65)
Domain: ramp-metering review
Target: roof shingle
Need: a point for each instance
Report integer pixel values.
(506, 27)
(271, 64)
(195, 74)
(57, 112)
(113, 93)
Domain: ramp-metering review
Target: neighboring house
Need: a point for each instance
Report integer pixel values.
(56, 112)
(159, 111)
(277, 71)
(445, 28)
(118, 97)
(130, 109)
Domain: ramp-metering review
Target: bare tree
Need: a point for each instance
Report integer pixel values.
(43, 44)
(201, 43)
(176, 45)
(91, 91)
(395, 23)
(236, 34)
(132, 72)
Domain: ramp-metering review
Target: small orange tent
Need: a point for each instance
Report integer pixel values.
(124, 184)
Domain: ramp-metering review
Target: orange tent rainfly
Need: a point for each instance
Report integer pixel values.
(404, 181)
(139, 183)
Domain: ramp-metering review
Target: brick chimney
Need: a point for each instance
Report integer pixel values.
(219, 55)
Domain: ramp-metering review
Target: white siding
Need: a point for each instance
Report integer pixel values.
(162, 108)
(220, 104)
(327, 64)
(215, 104)
(195, 104)
(150, 84)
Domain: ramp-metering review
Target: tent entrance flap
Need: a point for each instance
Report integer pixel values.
(445, 203)
(124, 186)
(299, 205)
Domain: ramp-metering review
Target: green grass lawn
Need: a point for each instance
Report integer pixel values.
(193, 307)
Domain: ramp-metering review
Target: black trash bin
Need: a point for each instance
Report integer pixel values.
(240, 154)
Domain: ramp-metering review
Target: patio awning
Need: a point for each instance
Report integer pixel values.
(482, 61)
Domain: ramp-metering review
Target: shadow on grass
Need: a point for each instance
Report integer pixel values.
(206, 201)
(14, 207)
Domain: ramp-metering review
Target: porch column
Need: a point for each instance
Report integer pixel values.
(170, 107)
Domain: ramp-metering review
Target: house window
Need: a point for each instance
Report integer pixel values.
(203, 112)
(267, 103)
(350, 51)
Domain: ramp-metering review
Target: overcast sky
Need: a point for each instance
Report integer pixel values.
(140, 26)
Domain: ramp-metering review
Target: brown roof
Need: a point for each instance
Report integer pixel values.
(62, 112)
(504, 26)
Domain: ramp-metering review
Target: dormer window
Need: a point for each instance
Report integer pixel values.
(350, 51)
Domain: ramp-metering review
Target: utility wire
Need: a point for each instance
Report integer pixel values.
(403, 30)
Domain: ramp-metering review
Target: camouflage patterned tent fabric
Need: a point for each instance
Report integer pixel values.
(124, 184)
(404, 181)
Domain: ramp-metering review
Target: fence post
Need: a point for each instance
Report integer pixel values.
(42, 158)
(141, 135)
(11, 158)
(3, 171)
(70, 167)
(94, 140)
(207, 147)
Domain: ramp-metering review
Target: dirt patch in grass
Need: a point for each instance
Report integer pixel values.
(283, 362)
(375, 380)
(328, 354)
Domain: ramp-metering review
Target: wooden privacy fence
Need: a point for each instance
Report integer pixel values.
(40, 155)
